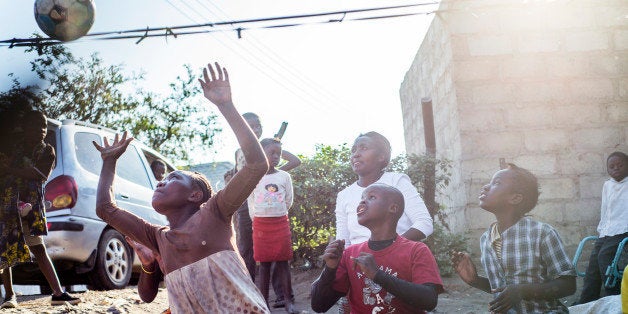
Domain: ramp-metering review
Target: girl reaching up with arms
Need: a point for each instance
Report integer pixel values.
(202, 271)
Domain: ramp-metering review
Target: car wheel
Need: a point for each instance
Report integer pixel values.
(113, 263)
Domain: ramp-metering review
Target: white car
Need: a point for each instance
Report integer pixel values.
(83, 248)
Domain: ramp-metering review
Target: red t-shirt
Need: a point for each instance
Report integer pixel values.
(407, 260)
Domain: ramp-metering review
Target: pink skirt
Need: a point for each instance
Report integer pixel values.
(272, 239)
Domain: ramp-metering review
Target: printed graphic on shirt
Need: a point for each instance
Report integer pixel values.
(374, 296)
(271, 196)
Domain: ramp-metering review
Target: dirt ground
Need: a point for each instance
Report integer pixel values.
(458, 298)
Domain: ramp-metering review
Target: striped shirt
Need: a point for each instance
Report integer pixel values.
(531, 252)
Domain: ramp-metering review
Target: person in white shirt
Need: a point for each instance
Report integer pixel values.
(370, 154)
(613, 228)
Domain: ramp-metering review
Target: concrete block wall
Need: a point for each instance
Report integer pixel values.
(433, 77)
(542, 84)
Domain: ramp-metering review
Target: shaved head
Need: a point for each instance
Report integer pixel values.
(392, 196)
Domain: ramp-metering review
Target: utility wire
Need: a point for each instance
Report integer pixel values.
(169, 31)
(254, 64)
(289, 73)
(290, 69)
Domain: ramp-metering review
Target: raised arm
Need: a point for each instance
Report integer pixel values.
(292, 161)
(109, 155)
(125, 222)
(217, 89)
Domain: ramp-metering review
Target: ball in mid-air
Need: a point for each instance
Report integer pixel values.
(65, 20)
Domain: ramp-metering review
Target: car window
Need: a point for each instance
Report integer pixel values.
(88, 157)
(131, 167)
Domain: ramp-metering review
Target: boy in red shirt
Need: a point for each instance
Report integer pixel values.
(386, 274)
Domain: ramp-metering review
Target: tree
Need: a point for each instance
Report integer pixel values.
(91, 91)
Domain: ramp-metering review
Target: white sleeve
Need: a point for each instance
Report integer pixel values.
(251, 205)
(342, 229)
(415, 208)
(603, 209)
(289, 191)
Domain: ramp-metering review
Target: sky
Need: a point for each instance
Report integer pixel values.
(329, 81)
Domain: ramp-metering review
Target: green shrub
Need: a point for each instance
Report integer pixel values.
(316, 184)
(442, 243)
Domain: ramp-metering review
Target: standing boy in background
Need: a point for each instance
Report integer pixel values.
(525, 261)
(613, 228)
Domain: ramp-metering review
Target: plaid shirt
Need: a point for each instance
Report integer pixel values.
(532, 252)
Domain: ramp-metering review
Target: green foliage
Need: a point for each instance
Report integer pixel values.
(89, 90)
(442, 243)
(316, 183)
(417, 166)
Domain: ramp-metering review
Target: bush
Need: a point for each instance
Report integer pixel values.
(442, 244)
(316, 183)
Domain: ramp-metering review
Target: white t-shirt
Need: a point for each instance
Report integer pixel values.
(614, 209)
(272, 196)
(415, 214)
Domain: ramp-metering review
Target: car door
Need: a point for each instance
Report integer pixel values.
(133, 188)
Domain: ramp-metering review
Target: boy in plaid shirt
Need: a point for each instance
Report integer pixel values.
(526, 265)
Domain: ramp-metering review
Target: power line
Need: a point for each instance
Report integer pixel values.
(306, 85)
(222, 26)
(253, 64)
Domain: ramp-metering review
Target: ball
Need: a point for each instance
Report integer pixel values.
(65, 20)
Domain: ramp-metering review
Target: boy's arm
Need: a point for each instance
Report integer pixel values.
(422, 296)
(218, 91)
(466, 270)
(323, 294)
(511, 295)
(292, 161)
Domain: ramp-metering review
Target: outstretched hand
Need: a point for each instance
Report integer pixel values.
(217, 90)
(114, 150)
(464, 266)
